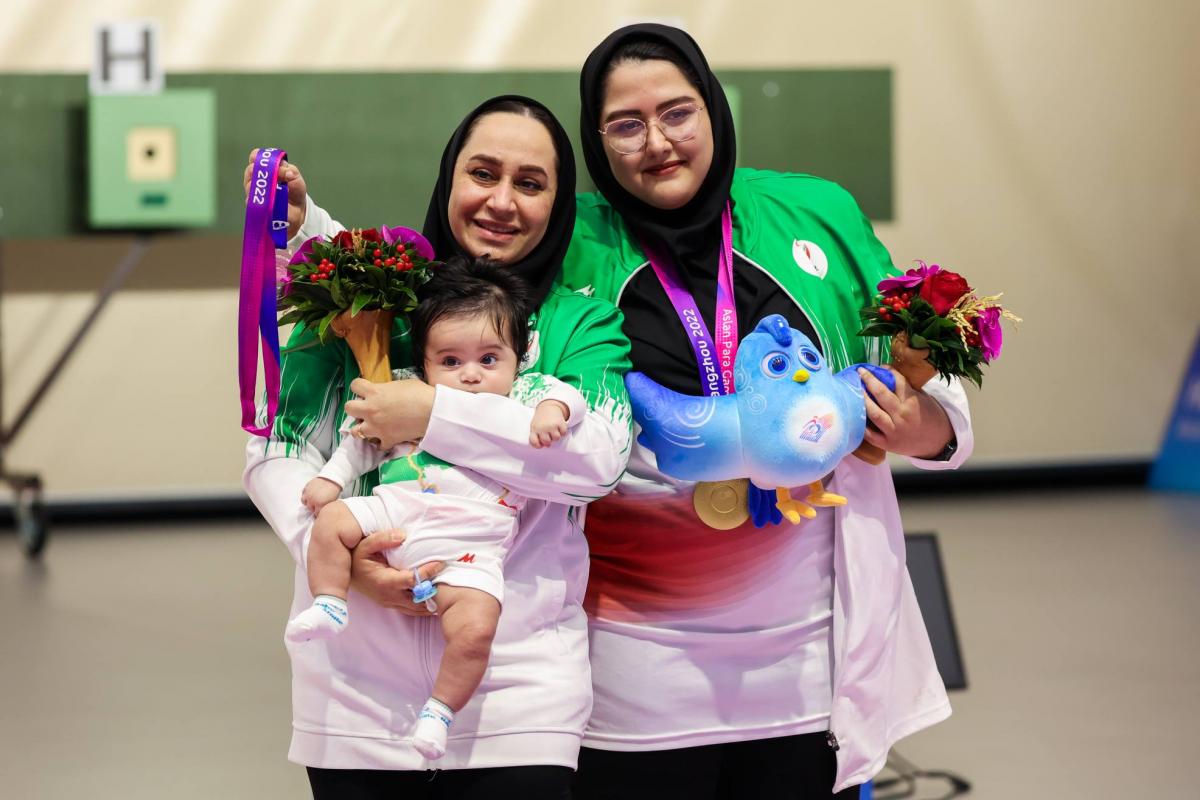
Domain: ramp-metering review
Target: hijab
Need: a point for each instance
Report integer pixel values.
(541, 266)
(691, 234)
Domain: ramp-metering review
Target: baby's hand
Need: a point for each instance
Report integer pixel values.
(549, 423)
(318, 493)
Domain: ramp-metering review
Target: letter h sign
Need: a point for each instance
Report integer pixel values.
(125, 59)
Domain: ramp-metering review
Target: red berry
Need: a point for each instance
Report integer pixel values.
(378, 262)
(377, 252)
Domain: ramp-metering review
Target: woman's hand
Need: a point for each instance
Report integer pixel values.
(906, 421)
(393, 412)
(389, 587)
(296, 188)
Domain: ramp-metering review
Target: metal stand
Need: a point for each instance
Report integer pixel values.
(29, 511)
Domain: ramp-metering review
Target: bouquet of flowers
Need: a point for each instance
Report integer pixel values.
(353, 285)
(938, 325)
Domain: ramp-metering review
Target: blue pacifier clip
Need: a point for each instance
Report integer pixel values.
(424, 592)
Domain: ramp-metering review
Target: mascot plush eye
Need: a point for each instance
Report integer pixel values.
(775, 365)
(810, 358)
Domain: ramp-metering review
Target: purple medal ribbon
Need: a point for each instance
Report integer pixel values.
(713, 357)
(265, 230)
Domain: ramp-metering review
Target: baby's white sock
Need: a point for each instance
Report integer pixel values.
(324, 619)
(433, 723)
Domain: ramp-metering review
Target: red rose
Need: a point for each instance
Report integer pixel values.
(371, 235)
(344, 240)
(943, 289)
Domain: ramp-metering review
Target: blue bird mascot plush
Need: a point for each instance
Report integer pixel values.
(788, 423)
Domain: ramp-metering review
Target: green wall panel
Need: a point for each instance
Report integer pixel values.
(369, 143)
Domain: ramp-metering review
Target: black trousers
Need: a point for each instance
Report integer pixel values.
(786, 768)
(521, 783)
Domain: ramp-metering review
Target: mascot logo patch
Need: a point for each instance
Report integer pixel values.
(810, 258)
(816, 427)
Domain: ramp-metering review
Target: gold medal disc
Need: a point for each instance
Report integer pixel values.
(722, 504)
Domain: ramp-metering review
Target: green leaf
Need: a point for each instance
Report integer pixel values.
(291, 317)
(336, 293)
(377, 277)
(323, 327)
(302, 346)
(359, 303)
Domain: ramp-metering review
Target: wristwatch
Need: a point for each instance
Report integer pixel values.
(948, 451)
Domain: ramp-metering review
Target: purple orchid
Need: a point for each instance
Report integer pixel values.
(914, 277)
(991, 335)
(303, 250)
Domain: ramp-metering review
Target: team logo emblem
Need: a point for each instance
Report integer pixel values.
(810, 258)
(816, 427)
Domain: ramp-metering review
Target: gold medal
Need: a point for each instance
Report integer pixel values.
(722, 504)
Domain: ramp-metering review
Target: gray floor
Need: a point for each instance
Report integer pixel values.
(147, 662)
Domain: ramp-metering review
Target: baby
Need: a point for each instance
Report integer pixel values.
(469, 333)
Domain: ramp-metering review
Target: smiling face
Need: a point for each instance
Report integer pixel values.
(467, 353)
(503, 189)
(665, 174)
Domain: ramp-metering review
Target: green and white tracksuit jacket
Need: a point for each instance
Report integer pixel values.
(709, 631)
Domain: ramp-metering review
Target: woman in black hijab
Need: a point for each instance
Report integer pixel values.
(538, 265)
(506, 191)
(735, 662)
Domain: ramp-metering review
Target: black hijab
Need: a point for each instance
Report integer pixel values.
(691, 234)
(541, 266)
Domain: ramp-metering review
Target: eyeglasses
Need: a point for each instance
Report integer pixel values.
(628, 136)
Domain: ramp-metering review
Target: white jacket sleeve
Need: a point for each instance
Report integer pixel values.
(274, 484)
(317, 222)
(352, 459)
(953, 398)
(490, 434)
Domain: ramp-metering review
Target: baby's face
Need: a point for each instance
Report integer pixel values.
(467, 353)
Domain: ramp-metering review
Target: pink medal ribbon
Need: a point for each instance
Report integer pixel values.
(265, 230)
(714, 357)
